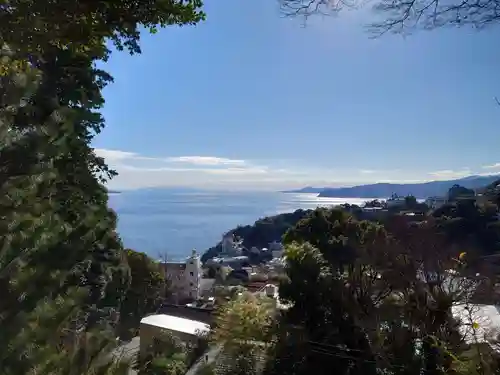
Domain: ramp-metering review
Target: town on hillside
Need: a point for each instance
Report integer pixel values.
(196, 289)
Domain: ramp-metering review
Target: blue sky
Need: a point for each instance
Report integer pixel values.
(249, 99)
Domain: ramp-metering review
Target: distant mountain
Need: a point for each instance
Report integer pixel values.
(421, 190)
(308, 189)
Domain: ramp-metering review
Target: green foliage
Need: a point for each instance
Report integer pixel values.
(471, 224)
(358, 304)
(460, 192)
(62, 270)
(145, 294)
(243, 319)
(60, 267)
(32, 28)
(166, 355)
(374, 203)
(335, 232)
(243, 329)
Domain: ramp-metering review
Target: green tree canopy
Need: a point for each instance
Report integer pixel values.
(242, 328)
(165, 355)
(62, 270)
(335, 232)
(458, 192)
(385, 308)
(145, 295)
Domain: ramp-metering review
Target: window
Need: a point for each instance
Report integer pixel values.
(191, 273)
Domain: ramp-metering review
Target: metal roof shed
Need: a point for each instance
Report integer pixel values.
(186, 330)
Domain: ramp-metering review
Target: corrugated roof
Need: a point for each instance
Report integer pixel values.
(175, 323)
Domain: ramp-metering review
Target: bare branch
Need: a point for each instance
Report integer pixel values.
(405, 16)
(306, 8)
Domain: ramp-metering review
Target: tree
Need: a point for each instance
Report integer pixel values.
(145, 294)
(62, 270)
(31, 29)
(334, 231)
(166, 355)
(459, 192)
(385, 309)
(402, 16)
(410, 201)
(243, 327)
(471, 222)
(374, 203)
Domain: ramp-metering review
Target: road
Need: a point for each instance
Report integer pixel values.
(208, 358)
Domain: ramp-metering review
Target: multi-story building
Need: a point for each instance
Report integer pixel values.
(276, 249)
(184, 278)
(230, 247)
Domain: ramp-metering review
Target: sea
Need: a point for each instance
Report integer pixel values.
(173, 223)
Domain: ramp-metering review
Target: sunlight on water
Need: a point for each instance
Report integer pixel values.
(311, 201)
(173, 223)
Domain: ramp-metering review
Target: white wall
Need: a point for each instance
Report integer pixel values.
(193, 275)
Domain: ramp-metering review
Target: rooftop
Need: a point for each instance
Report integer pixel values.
(175, 323)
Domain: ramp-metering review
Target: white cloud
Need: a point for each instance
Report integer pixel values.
(491, 166)
(113, 155)
(205, 160)
(139, 171)
(451, 174)
(249, 170)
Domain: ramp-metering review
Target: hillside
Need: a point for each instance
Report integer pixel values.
(420, 190)
(262, 232)
(308, 189)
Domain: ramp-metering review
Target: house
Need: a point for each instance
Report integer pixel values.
(184, 278)
(236, 262)
(230, 247)
(200, 310)
(272, 291)
(186, 330)
(277, 249)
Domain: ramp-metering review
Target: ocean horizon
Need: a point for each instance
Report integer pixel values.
(173, 223)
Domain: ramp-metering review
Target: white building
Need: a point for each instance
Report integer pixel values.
(229, 246)
(184, 278)
(187, 330)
